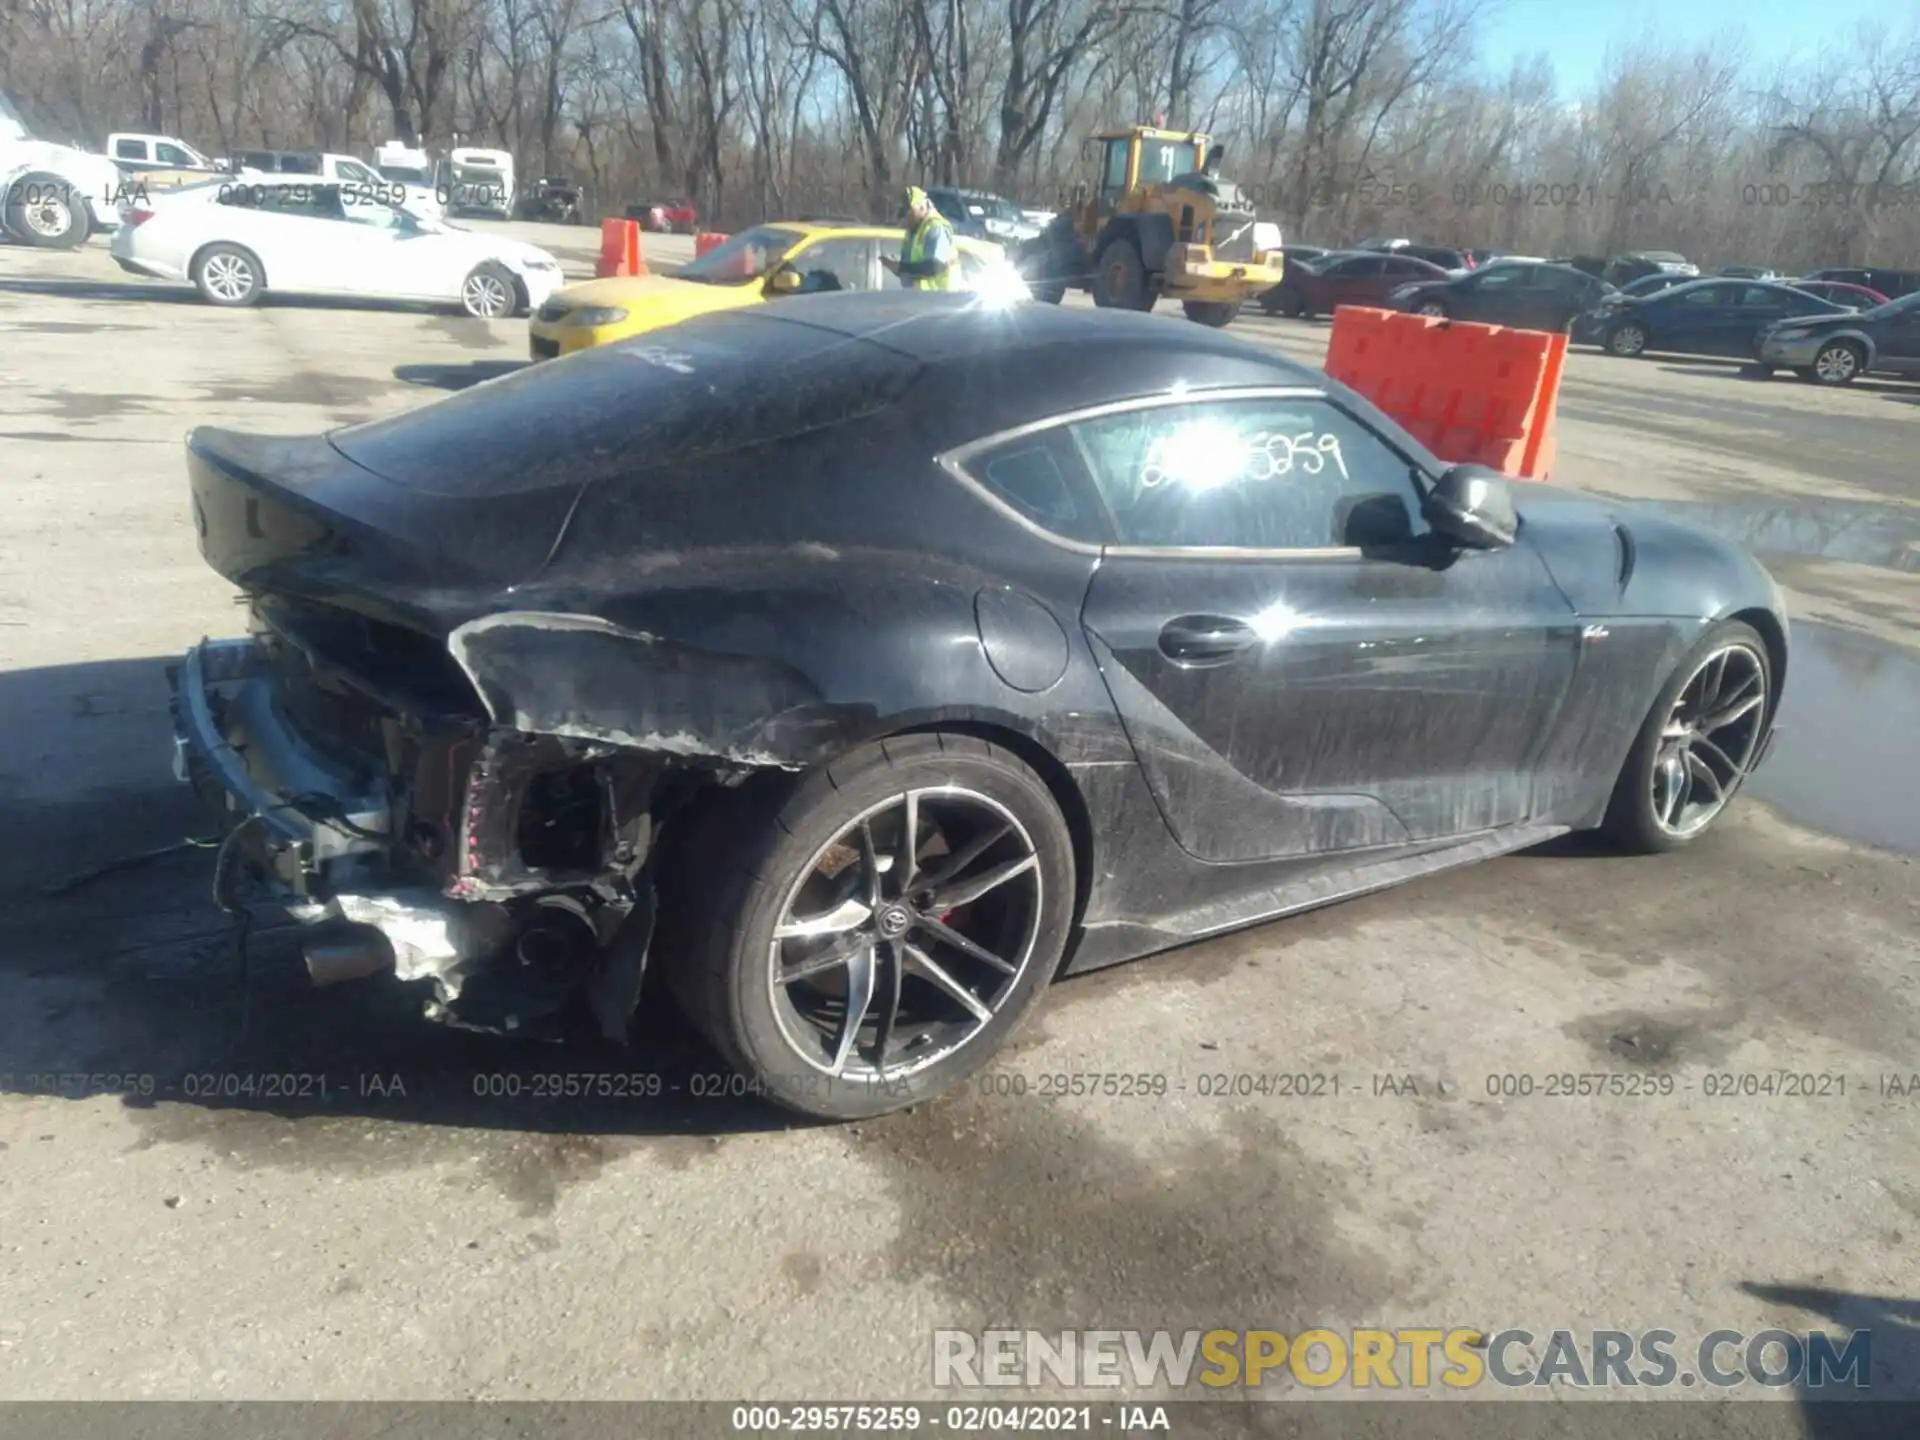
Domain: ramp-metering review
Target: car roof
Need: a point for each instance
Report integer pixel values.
(984, 369)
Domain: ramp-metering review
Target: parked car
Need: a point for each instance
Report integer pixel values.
(1839, 349)
(1706, 317)
(856, 665)
(1294, 255)
(1890, 283)
(1594, 265)
(666, 217)
(552, 198)
(1359, 277)
(982, 214)
(1622, 269)
(236, 239)
(357, 176)
(1857, 296)
(1590, 325)
(1527, 297)
(768, 262)
(1748, 272)
(1444, 256)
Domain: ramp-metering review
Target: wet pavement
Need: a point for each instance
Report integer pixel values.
(1847, 760)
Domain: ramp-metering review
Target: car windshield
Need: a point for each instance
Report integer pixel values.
(404, 175)
(750, 255)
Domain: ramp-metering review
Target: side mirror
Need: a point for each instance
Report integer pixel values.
(1472, 505)
(784, 281)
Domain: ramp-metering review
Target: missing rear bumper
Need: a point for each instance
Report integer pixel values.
(510, 871)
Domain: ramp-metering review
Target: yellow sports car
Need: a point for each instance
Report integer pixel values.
(797, 258)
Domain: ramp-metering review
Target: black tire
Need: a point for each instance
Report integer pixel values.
(1216, 313)
(1627, 341)
(1433, 309)
(1045, 268)
(1120, 277)
(48, 213)
(718, 945)
(488, 287)
(1840, 363)
(230, 276)
(1630, 821)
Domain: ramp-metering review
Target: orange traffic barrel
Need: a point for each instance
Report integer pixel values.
(619, 250)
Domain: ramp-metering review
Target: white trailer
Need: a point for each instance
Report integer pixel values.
(472, 181)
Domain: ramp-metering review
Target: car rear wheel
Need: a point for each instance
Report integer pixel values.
(1627, 340)
(1838, 364)
(871, 936)
(46, 212)
(1433, 309)
(489, 292)
(228, 275)
(1217, 313)
(1698, 744)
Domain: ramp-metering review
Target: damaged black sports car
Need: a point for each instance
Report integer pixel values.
(864, 662)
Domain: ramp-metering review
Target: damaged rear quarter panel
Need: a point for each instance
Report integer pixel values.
(780, 670)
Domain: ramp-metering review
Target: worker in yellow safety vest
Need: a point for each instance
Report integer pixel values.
(929, 260)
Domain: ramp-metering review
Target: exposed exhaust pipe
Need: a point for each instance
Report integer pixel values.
(357, 957)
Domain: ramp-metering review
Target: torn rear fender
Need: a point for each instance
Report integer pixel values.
(550, 673)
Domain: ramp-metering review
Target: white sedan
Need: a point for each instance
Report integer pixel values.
(239, 237)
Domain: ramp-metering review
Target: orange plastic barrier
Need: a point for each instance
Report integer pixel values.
(706, 241)
(620, 252)
(1480, 394)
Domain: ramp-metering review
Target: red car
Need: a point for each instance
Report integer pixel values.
(1840, 293)
(673, 217)
(1362, 277)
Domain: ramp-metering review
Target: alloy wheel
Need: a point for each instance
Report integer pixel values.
(905, 934)
(1628, 340)
(1433, 307)
(229, 276)
(487, 297)
(1708, 743)
(1836, 364)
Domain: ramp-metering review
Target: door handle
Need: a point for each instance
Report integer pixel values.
(1205, 639)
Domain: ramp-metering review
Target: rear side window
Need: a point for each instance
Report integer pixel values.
(1040, 476)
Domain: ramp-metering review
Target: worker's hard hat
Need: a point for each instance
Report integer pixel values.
(916, 197)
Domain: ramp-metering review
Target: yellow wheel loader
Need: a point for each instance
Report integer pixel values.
(1160, 223)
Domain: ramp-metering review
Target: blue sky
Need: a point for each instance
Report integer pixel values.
(1575, 34)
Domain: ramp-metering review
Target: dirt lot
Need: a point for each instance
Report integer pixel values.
(405, 1236)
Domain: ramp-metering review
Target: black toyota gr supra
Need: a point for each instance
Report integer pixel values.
(864, 662)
